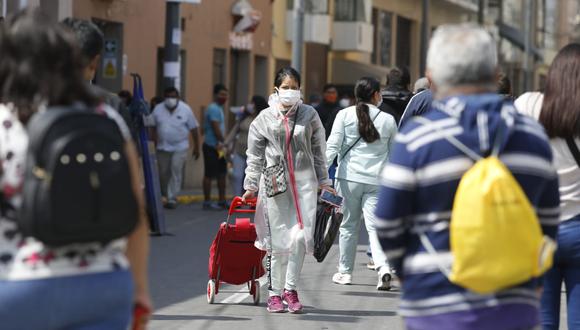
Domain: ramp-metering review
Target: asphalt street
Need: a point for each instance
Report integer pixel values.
(179, 278)
(178, 275)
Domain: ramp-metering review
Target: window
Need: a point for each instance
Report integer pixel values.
(383, 22)
(403, 42)
(219, 66)
(311, 6)
(350, 10)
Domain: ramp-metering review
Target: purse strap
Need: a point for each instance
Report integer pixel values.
(293, 127)
(574, 150)
(357, 140)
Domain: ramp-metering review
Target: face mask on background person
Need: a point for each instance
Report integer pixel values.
(344, 103)
(171, 103)
(288, 97)
(251, 109)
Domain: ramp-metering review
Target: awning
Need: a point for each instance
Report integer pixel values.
(345, 72)
(516, 37)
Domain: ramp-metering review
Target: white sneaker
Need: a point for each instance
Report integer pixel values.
(384, 282)
(344, 279)
(371, 265)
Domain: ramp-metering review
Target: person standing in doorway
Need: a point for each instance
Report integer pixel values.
(213, 148)
(174, 122)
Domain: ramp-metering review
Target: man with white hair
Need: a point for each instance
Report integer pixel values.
(420, 182)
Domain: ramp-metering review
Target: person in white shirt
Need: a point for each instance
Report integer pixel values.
(361, 138)
(558, 111)
(174, 122)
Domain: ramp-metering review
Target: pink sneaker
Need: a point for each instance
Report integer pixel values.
(291, 298)
(275, 304)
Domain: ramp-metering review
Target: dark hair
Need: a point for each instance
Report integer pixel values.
(364, 90)
(125, 93)
(218, 88)
(40, 64)
(170, 90)
(260, 103)
(329, 86)
(560, 113)
(398, 77)
(90, 38)
(284, 73)
(504, 85)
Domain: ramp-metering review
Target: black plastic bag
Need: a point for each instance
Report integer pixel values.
(328, 222)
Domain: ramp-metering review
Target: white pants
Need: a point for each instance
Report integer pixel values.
(359, 200)
(171, 172)
(239, 163)
(285, 269)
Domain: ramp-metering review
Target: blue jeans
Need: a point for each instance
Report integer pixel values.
(83, 302)
(566, 269)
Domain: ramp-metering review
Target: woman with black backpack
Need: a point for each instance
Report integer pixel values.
(70, 257)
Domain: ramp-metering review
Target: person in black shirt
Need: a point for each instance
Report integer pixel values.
(397, 94)
(328, 108)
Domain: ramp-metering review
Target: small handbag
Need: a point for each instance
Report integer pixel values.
(275, 175)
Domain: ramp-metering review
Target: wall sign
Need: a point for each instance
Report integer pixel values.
(242, 41)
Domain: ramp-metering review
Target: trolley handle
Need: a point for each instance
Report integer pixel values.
(238, 203)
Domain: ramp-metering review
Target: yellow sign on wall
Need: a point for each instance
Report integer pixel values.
(110, 68)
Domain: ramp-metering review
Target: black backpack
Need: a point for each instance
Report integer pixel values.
(77, 183)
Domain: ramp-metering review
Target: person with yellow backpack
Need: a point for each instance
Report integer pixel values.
(469, 202)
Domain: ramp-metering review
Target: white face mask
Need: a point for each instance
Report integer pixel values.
(380, 103)
(250, 108)
(288, 97)
(344, 103)
(171, 103)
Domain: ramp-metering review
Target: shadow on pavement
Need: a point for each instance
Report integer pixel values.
(357, 313)
(377, 294)
(345, 316)
(158, 317)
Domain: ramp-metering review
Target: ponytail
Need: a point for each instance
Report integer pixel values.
(366, 127)
(364, 90)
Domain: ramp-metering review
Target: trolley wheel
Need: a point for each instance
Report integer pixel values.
(255, 290)
(210, 291)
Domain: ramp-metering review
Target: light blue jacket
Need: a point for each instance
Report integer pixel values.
(363, 163)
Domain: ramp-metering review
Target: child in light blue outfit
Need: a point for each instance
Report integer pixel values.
(361, 138)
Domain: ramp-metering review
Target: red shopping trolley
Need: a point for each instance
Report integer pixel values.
(233, 258)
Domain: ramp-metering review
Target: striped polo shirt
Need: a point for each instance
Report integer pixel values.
(417, 193)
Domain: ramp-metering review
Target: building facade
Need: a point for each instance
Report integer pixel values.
(213, 49)
(348, 39)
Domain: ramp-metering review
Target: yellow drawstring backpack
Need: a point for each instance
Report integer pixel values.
(495, 236)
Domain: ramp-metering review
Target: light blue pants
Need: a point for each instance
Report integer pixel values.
(359, 200)
(85, 302)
